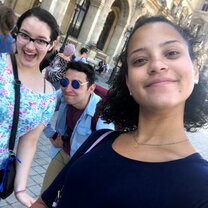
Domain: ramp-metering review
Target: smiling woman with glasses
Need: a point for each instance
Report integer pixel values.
(37, 33)
(24, 38)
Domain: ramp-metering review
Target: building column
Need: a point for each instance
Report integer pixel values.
(90, 22)
(99, 25)
(57, 8)
(46, 4)
(67, 16)
(114, 48)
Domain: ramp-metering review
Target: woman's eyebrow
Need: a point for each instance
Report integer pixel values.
(169, 42)
(137, 50)
(28, 33)
(161, 45)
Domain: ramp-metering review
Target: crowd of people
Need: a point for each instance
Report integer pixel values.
(57, 67)
(158, 94)
(102, 67)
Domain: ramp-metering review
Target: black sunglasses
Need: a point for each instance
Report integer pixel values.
(76, 84)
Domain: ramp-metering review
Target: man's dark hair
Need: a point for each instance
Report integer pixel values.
(85, 68)
(83, 50)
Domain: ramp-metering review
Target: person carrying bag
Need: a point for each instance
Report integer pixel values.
(7, 174)
(38, 97)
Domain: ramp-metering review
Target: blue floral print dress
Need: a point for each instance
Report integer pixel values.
(35, 108)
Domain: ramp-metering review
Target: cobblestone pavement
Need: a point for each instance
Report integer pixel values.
(36, 175)
(42, 159)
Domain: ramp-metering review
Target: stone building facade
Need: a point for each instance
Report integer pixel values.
(104, 25)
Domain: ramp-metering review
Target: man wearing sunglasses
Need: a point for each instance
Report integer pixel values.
(76, 111)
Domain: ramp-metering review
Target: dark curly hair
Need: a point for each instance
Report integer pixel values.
(119, 107)
(83, 50)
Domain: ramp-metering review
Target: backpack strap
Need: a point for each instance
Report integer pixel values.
(92, 141)
(98, 140)
(94, 121)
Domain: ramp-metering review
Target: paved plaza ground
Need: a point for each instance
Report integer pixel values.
(42, 159)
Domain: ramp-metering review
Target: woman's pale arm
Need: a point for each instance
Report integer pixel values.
(25, 152)
(39, 204)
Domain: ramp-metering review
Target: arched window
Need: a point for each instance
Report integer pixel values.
(78, 18)
(106, 30)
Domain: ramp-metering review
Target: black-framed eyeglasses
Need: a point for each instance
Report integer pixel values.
(38, 43)
(76, 84)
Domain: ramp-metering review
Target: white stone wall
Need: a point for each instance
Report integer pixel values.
(126, 12)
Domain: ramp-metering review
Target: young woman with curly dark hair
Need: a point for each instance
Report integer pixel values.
(157, 95)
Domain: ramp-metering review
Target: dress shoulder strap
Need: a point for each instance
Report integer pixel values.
(44, 90)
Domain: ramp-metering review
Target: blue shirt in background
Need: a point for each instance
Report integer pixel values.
(6, 44)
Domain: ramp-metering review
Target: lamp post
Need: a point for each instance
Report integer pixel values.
(70, 26)
(116, 67)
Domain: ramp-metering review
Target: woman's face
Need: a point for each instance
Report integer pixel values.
(161, 73)
(30, 53)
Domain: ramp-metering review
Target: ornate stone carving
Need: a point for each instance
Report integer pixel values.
(140, 4)
(163, 3)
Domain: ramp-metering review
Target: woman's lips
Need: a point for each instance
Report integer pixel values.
(160, 82)
(29, 57)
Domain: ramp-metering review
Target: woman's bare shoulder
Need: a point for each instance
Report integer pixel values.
(49, 87)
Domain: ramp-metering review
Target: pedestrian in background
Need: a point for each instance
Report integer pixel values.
(83, 55)
(7, 22)
(47, 59)
(157, 95)
(57, 67)
(36, 32)
(102, 67)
